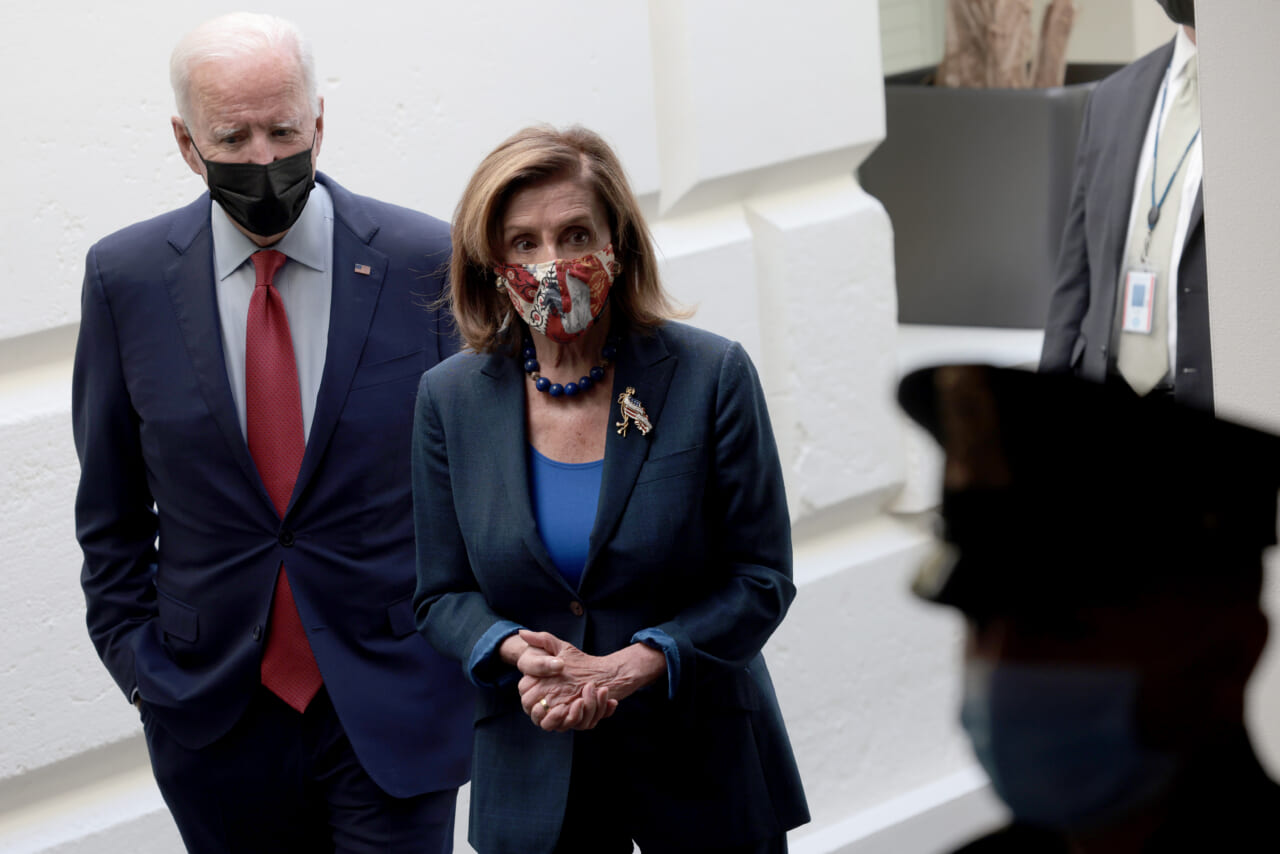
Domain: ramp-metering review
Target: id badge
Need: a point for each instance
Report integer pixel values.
(1139, 301)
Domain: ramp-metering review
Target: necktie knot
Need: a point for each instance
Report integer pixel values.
(266, 264)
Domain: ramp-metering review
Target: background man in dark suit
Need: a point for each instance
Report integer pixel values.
(1131, 300)
(1112, 607)
(242, 419)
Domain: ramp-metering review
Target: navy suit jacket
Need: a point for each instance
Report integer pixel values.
(1082, 310)
(691, 536)
(181, 541)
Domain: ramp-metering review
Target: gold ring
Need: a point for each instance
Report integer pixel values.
(544, 703)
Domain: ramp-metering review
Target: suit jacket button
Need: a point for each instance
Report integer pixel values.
(286, 538)
(576, 609)
(257, 633)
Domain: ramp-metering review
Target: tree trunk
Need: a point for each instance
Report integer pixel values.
(991, 44)
(1055, 30)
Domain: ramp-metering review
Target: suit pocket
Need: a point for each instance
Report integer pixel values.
(390, 370)
(492, 702)
(671, 465)
(177, 619)
(1077, 351)
(400, 617)
(730, 691)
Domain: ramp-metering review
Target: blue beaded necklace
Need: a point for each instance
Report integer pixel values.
(595, 375)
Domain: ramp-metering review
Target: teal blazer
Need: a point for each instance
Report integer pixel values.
(691, 536)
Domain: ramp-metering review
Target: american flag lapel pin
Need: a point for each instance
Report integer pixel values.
(363, 269)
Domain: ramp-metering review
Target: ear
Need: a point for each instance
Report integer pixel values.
(315, 148)
(186, 146)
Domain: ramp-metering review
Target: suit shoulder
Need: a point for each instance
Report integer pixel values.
(458, 373)
(1121, 82)
(389, 213)
(685, 340)
(394, 228)
(147, 233)
(138, 251)
(714, 358)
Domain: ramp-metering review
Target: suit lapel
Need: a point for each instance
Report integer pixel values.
(189, 280)
(1127, 152)
(644, 365)
(506, 418)
(354, 299)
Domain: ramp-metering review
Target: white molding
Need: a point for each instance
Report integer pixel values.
(932, 818)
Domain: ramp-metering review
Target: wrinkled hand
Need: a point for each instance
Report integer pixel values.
(563, 688)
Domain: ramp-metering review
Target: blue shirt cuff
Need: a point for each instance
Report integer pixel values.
(665, 644)
(484, 668)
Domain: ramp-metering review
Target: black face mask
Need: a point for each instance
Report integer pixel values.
(264, 199)
(1180, 11)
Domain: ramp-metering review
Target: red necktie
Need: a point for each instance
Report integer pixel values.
(273, 413)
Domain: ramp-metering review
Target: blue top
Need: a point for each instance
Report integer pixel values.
(564, 497)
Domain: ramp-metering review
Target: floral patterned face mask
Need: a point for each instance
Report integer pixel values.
(560, 299)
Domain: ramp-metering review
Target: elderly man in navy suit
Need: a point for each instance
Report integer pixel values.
(1131, 305)
(242, 403)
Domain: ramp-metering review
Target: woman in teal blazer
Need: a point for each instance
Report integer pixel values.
(605, 555)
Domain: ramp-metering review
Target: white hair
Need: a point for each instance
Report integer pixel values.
(235, 35)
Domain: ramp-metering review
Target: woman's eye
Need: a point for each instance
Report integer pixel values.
(523, 245)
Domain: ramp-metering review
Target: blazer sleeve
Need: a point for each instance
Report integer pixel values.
(449, 608)
(728, 627)
(1070, 299)
(115, 517)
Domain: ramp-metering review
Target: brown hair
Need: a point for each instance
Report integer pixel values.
(483, 313)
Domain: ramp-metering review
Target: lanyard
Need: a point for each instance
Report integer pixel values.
(1153, 215)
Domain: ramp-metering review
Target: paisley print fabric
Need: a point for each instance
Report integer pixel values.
(561, 298)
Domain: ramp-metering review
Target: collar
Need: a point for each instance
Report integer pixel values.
(1183, 50)
(305, 242)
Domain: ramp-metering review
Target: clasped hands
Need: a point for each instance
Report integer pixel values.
(563, 688)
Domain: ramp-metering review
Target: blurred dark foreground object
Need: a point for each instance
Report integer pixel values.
(1062, 491)
(1106, 552)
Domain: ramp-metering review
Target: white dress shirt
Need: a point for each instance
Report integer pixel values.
(305, 284)
(1187, 180)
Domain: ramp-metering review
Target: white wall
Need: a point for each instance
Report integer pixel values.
(1241, 185)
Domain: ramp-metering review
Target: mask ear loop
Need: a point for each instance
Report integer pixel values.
(192, 137)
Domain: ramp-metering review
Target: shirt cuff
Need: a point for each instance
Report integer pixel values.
(484, 668)
(665, 644)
